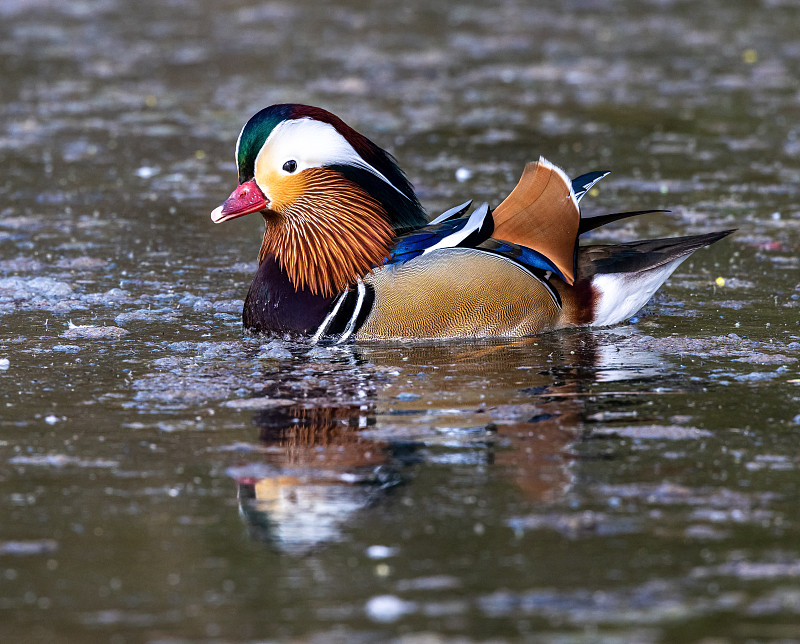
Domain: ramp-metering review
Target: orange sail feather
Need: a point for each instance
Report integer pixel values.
(542, 213)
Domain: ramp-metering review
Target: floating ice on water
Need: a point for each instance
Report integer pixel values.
(24, 288)
(755, 376)
(145, 315)
(67, 348)
(276, 353)
(253, 472)
(31, 547)
(407, 395)
(320, 353)
(61, 460)
(93, 332)
(259, 403)
(145, 172)
(380, 552)
(387, 608)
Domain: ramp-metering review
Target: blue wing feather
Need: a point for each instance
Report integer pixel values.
(414, 244)
(582, 184)
(522, 255)
(452, 222)
(450, 233)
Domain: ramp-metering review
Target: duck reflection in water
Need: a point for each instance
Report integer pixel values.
(318, 469)
(516, 407)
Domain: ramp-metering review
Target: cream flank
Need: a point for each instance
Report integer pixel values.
(623, 294)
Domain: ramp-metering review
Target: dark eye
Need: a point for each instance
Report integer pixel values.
(290, 166)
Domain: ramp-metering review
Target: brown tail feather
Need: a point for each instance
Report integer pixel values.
(542, 213)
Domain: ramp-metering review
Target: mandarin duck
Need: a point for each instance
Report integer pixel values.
(348, 252)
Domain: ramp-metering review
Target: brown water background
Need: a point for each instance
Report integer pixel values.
(166, 478)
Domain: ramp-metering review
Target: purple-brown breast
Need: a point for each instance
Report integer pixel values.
(275, 306)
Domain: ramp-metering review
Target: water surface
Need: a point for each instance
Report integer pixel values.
(165, 477)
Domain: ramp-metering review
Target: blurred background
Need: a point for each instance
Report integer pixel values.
(166, 478)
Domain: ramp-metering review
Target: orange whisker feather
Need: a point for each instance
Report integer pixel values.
(330, 236)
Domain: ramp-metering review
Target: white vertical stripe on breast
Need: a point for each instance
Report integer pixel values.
(362, 290)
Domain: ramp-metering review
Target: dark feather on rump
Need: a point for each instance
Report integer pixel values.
(640, 255)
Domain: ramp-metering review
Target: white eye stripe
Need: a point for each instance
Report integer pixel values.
(311, 144)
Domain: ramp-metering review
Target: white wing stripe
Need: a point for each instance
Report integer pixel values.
(449, 213)
(474, 223)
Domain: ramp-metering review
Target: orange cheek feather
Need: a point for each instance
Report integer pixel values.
(282, 190)
(328, 232)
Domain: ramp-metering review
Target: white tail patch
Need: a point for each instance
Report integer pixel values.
(621, 295)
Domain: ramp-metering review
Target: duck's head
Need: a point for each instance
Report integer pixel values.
(333, 201)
